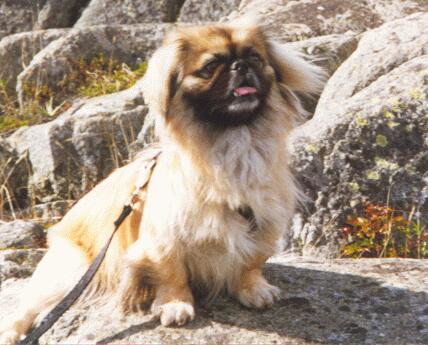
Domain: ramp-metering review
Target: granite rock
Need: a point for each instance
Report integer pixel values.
(366, 142)
(375, 301)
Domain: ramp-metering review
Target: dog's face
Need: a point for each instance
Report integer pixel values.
(224, 75)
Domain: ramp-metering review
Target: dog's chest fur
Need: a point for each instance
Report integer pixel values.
(200, 212)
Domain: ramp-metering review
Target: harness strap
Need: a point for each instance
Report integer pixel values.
(77, 290)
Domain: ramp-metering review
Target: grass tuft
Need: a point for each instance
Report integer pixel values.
(99, 76)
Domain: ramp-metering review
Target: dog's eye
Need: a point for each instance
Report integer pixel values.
(207, 71)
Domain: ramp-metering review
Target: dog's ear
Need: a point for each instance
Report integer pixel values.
(293, 72)
(161, 80)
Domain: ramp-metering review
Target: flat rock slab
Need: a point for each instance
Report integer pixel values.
(370, 301)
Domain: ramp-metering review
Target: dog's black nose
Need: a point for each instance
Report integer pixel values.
(239, 66)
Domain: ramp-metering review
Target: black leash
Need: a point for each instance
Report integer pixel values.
(74, 294)
(150, 157)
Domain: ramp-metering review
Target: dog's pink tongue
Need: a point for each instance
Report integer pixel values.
(245, 90)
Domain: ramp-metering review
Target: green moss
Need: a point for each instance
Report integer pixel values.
(395, 104)
(353, 187)
(354, 203)
(104, 77)
(12, 116)
(384, 164)
(388, 115)
(8, 123)
(372, 175)
(416, 93)
(392, 124)
(312, 148)
(409, 128)
(381, 140)
(361, 121)
(410, 170)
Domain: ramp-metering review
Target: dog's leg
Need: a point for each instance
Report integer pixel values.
(173, 302)
(253, 290)
(55, 275)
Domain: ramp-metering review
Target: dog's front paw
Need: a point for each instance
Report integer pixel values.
(9, 337)
(259, 295)
(174, 313)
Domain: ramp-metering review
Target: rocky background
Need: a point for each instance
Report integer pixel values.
(364, 145)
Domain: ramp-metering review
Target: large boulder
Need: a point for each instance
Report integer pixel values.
(296, 20)
(196, 11)
(21, 234)
(18, 15)
(322, 302)
(129, 12)
(70, 154)
(379, 52)
(367, 141)
(60, 13)
(17, 51)
(130, 44)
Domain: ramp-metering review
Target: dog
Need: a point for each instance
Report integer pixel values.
(225, 97)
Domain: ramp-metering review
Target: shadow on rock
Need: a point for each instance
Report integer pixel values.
(317, 306)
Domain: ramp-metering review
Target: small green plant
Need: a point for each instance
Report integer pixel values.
(385, 232)
(102, 77)
(99, 76)
(12, 116)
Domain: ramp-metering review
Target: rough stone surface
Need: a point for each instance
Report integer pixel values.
(124, 43)
(18, 264)
(324, 17)
(17, 51)
(396, 9)
(328, 51)
(70, 154)
(379, 52)
(18, 15)
(367, 141)
(21, 234)
(194, 11)
(60, 13)
(146, 136)
(51, 212)
(13, 178)
(323, 302)
(129, 12)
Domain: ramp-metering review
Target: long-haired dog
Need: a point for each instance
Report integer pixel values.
(225, 98)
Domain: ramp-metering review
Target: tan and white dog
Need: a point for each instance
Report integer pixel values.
(220, 196)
